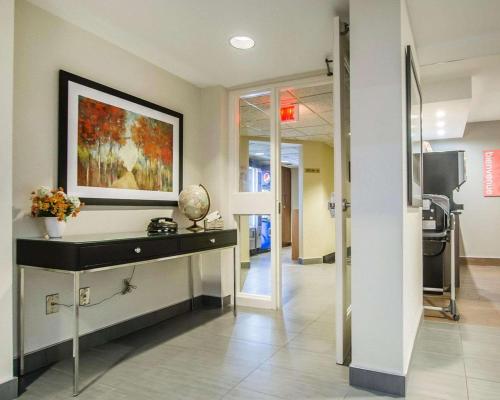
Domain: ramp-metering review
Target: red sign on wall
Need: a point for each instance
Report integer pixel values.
(491, 173)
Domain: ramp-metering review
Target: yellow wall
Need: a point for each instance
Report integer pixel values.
(317, 226)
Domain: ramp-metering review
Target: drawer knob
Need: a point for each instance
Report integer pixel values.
(138, 250)
(212, 240)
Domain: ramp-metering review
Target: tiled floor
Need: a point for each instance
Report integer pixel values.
(288, 354)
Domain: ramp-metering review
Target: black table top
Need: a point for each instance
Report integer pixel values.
(118, 236)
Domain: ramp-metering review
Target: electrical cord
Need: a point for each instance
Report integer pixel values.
(128, 287)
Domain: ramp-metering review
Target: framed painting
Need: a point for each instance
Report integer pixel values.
(117, 149)
(413, 133)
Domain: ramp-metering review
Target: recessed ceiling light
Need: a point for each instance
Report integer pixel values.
(242, 42)
(440, 113)
(440, 124)
(441, 132)
(259, 154)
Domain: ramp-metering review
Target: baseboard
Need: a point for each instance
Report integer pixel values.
(8, 390)
(481, 261)
(329, 258)
(378, 381)
(308, 261)
(59, 351)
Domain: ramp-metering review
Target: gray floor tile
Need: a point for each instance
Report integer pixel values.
(451, 346)
(322, 366)
(293, 384)
(481, 368)
(359, 394)
(313, 343)
(245, 394)
(479, 329)
(437, 362)
(442, 325)
(483, 390)
(479, 349)
(436, 385)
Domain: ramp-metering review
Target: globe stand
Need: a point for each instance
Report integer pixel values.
(195, 227)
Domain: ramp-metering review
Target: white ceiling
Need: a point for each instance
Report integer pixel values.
(446, 30)
(444, 120)
(189, 38)
(315, 114)
(459, 39)
(290, 152)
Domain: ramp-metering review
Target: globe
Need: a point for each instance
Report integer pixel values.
(194, 203)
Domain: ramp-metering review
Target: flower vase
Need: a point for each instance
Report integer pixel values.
(54, 227)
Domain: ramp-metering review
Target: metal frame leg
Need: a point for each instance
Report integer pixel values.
(235, 311)
(76, 337)
(453, 303)
(191, 282)
(21, 321)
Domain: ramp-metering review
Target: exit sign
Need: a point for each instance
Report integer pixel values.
(289, 113)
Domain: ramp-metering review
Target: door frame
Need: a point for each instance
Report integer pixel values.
(269, 203)
(341, 171)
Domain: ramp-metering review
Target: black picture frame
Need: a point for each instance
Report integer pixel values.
(414, 143)
(64, 81)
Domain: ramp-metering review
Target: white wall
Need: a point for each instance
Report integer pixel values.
(386, 264)
(479, 221)
(43, 45)
(412, 221)
(214, 143)
(6, 82)
(317, 227)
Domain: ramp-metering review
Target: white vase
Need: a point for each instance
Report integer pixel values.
(54, 227)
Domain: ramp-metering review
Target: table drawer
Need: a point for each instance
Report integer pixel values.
(127, 252)
(207, 241)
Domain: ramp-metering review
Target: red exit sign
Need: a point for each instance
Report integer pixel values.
(289, 113)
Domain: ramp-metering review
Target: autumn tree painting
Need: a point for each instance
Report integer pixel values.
(121, 149)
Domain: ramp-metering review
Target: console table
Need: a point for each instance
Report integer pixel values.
(82, 254)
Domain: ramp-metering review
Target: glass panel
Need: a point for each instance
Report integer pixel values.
(255, 254)
(255, 142)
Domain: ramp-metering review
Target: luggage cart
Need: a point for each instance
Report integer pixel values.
(439, 232)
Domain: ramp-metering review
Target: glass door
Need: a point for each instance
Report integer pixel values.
(254, 200)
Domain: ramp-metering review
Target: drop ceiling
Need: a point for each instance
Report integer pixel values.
(190, 38)
(315, 115)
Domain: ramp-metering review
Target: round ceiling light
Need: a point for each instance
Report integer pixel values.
(242, 42)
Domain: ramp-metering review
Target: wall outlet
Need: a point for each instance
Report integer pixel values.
(84, 296)
(52, 303)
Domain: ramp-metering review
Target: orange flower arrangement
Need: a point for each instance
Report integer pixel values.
(54, 203)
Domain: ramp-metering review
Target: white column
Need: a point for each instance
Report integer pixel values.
(6, 117)
(386, 234)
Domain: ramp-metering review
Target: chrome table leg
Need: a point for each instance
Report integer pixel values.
(76, 350)
(234, 282)
(21, 321)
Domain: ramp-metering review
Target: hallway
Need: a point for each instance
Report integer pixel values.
(289, 354)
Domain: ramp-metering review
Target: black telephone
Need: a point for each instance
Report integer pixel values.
(162, 225)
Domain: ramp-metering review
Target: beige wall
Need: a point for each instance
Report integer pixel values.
(43, 45)
(317, 227)
(479, 221)
(6, 292)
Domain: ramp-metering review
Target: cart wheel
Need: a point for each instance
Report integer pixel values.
(456, 317)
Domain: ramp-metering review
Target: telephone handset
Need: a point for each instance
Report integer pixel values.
(162, 225)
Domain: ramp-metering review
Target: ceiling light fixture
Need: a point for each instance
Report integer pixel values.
(441, 132)
(259, 154)
(440, 113)
(242, 42)
(440, 124)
